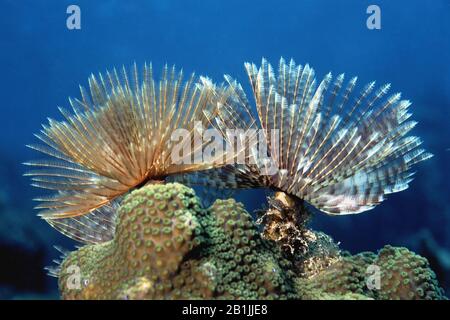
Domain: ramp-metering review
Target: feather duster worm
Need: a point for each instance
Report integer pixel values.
(338, 148)
(117, 138)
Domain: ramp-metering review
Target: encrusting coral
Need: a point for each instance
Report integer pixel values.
(167, 246)
(403, 275)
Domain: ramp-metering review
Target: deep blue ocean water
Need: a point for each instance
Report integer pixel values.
(43, 62)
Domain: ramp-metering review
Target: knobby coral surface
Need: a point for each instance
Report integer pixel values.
(167, 246)
(403, 275)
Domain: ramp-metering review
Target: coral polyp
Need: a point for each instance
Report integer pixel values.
(168, 246)
(117, 138)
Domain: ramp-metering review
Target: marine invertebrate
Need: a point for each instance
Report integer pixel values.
(404, 275)
(341, 156)
(167, 246)
(347, 275)
(285, 223)
(340, 150)
(117, 138)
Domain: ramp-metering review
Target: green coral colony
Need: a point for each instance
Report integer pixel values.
(147, 235)
(167, 246)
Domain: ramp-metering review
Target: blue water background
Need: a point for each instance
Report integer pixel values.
(42, 64)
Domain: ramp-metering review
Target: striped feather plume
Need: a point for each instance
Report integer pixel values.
(117, 137)
(340, 148)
